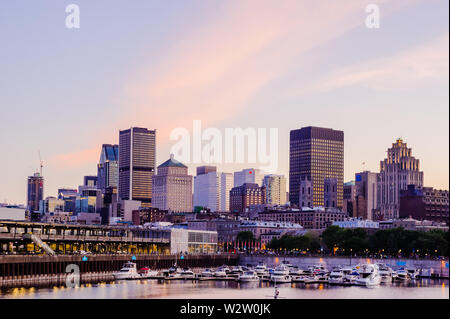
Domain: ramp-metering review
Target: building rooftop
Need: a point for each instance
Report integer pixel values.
(172, 162)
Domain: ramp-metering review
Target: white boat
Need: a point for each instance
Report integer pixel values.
(311, 279)
(128, 271)
(319, 269)
(187, 273)
(207, 273)
(261, 269)
(172, 272)
(336, 277)
(235, 271)
(248, 276)
(221, 271)
(385, 273)
(402, 275)
(295, 271)
(368, 276)
(146, 272)
(412, 272)
(281, 274)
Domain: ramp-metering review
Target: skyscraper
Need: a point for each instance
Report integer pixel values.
(35, 192)
(397, 171)
(226, 184)
(316, 154)
(172, 187)
(137, 156)
(365, 194)
(108, 167)
(275, 189)
(207, 188)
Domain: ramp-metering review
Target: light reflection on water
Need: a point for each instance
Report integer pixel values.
(418, 289)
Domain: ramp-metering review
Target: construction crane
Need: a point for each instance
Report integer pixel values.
(40, 162)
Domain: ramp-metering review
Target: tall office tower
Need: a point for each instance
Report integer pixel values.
(207, 188)
(349, 198)
(226, 184)
(108, 167)
(35, 192)
(316, 153)
(172, 187)
(365, 195)
(249, 175)
(330, 192)
(397, 171)
(137, 157)
(305, 197)
(275, 189)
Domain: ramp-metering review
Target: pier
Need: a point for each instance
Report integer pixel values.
(30, 271)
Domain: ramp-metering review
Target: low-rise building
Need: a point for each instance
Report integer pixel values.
(262, 227)
(357, 223)
(309, 218)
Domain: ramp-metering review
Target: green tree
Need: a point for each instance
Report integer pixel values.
(245, 236)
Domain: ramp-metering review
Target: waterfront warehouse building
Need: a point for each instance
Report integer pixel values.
(137, 158)
(172, 187)
(316, 153)
(35, 192)
(108, 167)
(397, 171)
(310, 218)
(275, 189)
(424, 203)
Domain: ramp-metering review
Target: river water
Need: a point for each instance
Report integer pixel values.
(136, 289)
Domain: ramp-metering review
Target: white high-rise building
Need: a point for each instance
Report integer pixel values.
(226, 184)
(206, 191)
(249, 175)
(275, 189)
(212, 189)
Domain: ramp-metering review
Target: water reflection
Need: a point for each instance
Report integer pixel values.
(421, 288)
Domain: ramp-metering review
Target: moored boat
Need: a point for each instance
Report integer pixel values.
(128, 271)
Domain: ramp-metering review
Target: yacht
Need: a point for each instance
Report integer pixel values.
(128, 271)
(221, 272)
(281, 274)
(187, 273)
(238, 270)
(261, 269)
(368, 276)
(385, 273)
(248, 276)
(319, 269)
(146, 272)
(295, 271)
(402, 275)
(336, 277)
(412, 272)
(207, 273)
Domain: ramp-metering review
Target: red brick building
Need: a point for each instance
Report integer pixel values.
(243, 196)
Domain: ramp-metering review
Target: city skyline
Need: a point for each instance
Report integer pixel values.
(287, 70)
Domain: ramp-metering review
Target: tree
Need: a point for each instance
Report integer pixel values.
(245, 236)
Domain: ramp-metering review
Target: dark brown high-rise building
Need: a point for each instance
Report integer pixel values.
(35, 192)
(137, 157)
(316, 154)
(244, 196)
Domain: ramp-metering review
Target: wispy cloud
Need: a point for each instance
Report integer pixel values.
(414, 66)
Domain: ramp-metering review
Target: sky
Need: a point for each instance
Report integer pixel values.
(230, 64)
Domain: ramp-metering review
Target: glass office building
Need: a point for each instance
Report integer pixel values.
(137, 158)
(316, 154)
